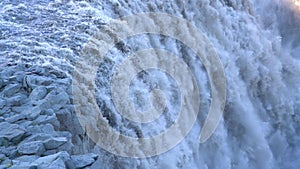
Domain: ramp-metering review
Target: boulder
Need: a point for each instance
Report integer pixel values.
(38, 93)
(15, 118)
(12, 133)
(54, 161)
(28, 148)
(55, 142)
(11, 89)
(81, 161)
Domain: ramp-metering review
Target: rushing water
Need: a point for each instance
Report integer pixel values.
(258, 43)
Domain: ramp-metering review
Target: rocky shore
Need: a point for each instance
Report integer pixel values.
(36, 120)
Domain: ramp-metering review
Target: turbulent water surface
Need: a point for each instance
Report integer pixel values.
(258, 43)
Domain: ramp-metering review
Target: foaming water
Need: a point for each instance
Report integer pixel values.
(257, 42)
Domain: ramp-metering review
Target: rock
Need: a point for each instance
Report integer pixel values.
(69, 122)
(49, 112)
(65, 147)
(38, 93)
(55, 101)
(51, 161)
(58, 163)
(35, 147)
(23, 165)
(24, 162)
(15, 118)
(6, 164)
(49, 152)
(11, 89)
(1, 83)
(37, 137)
(53, 143)
(44, 119)
(17, 100)
(81, 161)
(2, 103)
(26, 158)
(10, 152)
(32, 113)
(13, 133)
(2, 158)
(48, 128)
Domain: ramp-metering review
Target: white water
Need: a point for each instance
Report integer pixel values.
(258, 44)
(260, 53)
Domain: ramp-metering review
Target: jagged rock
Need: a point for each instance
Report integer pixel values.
(24, 162)
(1, 83)
(17, 100)
(38, 93)
(26, 158)
(2, 103)
(51, 161)
(49, 112)
(48, 128)
(6, 164)
(49, 152)
(56, 142)
(10, 151)
(44, 119)
(23, 165)
(69, 122)
(35, 147)
(37, 137)
(15, 118)
(32, 113)
(12, 133)
(55, 101)
(65, 147)
(58, 163)
(11, 89)
(85, 160)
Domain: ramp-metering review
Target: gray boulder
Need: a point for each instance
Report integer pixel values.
(56, 142)
(12, 133)
(81, 161)
(35, 147)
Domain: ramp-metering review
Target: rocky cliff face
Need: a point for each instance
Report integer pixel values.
(41, 41)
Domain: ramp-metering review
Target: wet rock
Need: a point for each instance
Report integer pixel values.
(53, 143)
(29, 148)
(85, 160)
